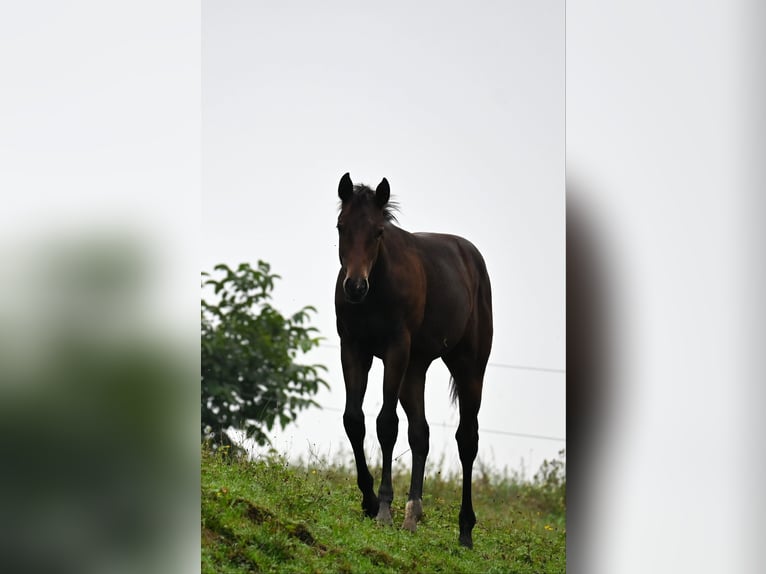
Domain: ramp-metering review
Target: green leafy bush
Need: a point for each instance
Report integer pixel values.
(250, 377)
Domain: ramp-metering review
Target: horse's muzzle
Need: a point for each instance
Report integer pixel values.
(355, 289)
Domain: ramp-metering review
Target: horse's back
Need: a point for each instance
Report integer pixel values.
(451, 255)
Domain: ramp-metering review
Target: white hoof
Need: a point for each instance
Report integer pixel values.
(413, 512)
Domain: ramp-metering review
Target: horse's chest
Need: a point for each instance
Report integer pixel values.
(371, 325)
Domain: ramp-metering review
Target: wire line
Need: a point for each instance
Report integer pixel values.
(488, 431)
(490, 364)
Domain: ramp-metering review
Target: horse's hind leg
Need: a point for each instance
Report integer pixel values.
(412, 400)
(467, 437)
(468, 379)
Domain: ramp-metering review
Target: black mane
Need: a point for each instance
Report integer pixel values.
(364, 194)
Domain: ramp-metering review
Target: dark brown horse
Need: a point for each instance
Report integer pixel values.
(408, 298)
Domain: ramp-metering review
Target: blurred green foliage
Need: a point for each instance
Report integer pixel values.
(98, 409)
(250, 377)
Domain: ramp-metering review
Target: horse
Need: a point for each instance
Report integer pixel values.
(408, 299)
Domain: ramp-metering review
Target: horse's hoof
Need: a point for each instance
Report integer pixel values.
(370, 508)
(384, 515)
(410, 525)
(412, 514)
(466, 541)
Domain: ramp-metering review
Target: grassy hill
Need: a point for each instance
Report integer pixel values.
(269, 516)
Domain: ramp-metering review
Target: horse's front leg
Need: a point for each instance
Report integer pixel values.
(395, 364)
(356, 365)
(411, 397)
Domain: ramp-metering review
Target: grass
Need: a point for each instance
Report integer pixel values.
(269, 516)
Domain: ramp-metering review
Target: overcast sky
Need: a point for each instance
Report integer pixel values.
(461, 108)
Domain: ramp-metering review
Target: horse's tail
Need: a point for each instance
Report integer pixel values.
(452, 390)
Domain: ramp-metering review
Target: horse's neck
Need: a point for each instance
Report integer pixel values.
(395, 242)
(396, 256)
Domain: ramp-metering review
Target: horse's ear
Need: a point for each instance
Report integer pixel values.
(345, 188)
(382, 193)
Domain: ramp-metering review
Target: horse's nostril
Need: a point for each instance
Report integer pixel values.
(355, 289)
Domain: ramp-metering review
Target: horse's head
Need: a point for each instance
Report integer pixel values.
(361, 224)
